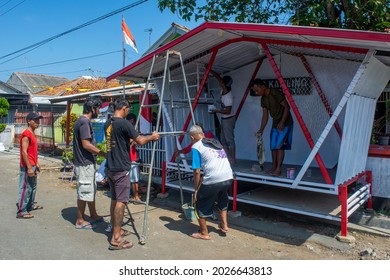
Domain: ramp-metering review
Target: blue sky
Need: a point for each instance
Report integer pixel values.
(35, 20)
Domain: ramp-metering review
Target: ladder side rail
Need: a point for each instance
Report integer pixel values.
(186, 89)
(202, 84)
(146, 91)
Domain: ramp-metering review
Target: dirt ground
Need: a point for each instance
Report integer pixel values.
(258, 234)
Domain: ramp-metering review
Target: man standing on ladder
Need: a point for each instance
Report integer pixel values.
(119, 132)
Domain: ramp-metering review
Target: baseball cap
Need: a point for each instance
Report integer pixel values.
(33, 116)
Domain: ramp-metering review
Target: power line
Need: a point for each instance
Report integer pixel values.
(62, 61)
(38, 44)
(5, 3)
(12, 7)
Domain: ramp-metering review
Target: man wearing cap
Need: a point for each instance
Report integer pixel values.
(274, 103)
(29, 167)
(84, 160)
(228, 118)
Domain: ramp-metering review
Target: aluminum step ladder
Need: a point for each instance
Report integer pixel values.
(172, 61)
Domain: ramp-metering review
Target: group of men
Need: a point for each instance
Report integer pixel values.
(209, 155)
(120, 135)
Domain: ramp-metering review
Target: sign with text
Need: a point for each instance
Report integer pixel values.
(296, 85)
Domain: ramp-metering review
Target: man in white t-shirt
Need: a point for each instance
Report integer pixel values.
(228, 119)
(218, 177)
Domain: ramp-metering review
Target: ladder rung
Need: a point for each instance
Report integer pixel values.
(174, 52)
(180, 107)
(150, 105)
(176, 81)
(156, 78)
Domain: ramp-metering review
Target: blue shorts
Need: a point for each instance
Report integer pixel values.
(281, 140)
(208, 194)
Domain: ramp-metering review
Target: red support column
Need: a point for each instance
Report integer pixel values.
(235, 186)
(343, 196)
(369, 180)
(163, 177)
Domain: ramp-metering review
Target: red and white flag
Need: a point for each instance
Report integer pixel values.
(127, 36)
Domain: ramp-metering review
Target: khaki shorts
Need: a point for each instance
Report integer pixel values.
(86, 185)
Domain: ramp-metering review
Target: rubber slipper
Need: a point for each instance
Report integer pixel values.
(86, 227)
(36, 207)
(25, 216)
(198, 235)
(222, 229)
(121, 246)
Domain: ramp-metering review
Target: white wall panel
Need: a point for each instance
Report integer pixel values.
(356, 137)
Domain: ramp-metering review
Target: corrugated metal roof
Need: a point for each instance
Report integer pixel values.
(34, 83)
(245, 39)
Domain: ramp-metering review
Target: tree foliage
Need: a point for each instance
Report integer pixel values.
(64, 120)
(4, 107)
(351, 14)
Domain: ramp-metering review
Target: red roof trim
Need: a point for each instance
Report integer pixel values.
(299, 30)
(293, 30)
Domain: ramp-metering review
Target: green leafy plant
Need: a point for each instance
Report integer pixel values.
(355, 14)
(69, 154)
(102, 147)
(4, 107)
(73, 119)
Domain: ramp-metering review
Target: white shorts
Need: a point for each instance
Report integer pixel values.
(134, 172)
(86, 185)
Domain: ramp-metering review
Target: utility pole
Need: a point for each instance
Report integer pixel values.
(150, 30)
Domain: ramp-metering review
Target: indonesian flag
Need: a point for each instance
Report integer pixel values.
(145, 121)
(127, 36)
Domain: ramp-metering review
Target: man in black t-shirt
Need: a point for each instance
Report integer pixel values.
(84, 160)
(119, 132)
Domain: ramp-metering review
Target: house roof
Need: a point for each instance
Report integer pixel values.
(174, 32)
(130, 90)
(8, 89)
(79, 85)
(240, 44)
(33, 83)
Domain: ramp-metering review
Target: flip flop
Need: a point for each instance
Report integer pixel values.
(36, 207)
(222, 229)
(86, 227)
(121, 246)
(198, 235)
(25, 216)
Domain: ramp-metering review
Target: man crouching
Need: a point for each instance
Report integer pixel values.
(218, 177)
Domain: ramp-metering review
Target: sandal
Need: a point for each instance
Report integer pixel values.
(121, 246)
(36, 207)
(25, 216)
(222, 229)
(198, 235)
